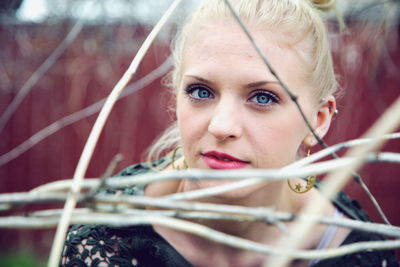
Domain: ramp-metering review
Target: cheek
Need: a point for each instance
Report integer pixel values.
(277, 140)
(192, 126)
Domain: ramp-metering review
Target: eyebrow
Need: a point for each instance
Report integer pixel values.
(249, 85)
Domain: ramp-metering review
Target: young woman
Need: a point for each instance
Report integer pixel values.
(232, 113)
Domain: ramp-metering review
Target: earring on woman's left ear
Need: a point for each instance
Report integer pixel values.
(311, 180)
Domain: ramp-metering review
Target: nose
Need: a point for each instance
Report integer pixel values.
(225, 122)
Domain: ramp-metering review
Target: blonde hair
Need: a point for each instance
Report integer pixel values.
(299, 18)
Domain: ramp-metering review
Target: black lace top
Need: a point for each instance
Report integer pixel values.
(102, 245)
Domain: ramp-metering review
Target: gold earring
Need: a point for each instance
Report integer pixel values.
(185, 166)
(311, 180)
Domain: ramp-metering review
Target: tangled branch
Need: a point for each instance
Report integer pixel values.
(294, 99)
(388, 122)
(35, 77)
(94, 136)
(81, 114)
(130, 210)
(206, 232)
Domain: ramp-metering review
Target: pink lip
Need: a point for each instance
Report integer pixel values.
(220, 161)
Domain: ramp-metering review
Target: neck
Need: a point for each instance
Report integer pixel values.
(272, 195)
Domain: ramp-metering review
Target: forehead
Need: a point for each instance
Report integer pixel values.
(222, 44)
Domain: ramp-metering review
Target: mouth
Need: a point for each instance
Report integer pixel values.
(217, 160)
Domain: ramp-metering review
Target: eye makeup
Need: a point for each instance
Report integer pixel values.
(198, 92)
(263, 97)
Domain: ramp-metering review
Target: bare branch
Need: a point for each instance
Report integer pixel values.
(9, 111)
(81, 114)
(208, 233)
(274, 73)
(294, 98)
(194, 174)
(125, 204)
(388, 122)
(94, 136)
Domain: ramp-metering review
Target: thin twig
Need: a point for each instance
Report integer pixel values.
(294, 98)
(194, 174)
(94, 136)
(200, 193)
(108, 172)
(266, 174)
(125, 204)
(38, 74)
(261, 54)
(81, 114)
(211, 234)
(388, 122)
(343, 145)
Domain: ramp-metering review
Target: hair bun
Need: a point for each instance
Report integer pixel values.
(324, 5)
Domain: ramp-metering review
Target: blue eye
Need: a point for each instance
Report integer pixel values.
(264, 98)
(198, 91)
(202, 93)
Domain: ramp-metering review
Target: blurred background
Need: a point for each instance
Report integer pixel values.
(60, 58)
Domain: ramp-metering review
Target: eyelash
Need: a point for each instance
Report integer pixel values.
(191, 89)
(272, 98)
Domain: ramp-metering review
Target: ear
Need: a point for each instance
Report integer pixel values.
(322, 120)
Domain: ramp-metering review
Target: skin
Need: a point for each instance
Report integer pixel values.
(227, 101)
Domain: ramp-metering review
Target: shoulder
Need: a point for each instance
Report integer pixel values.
(368, 258)
(136, 169)
(350, 207)
(144, 167)
(365, 258)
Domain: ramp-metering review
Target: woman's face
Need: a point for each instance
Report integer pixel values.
(232, 112)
